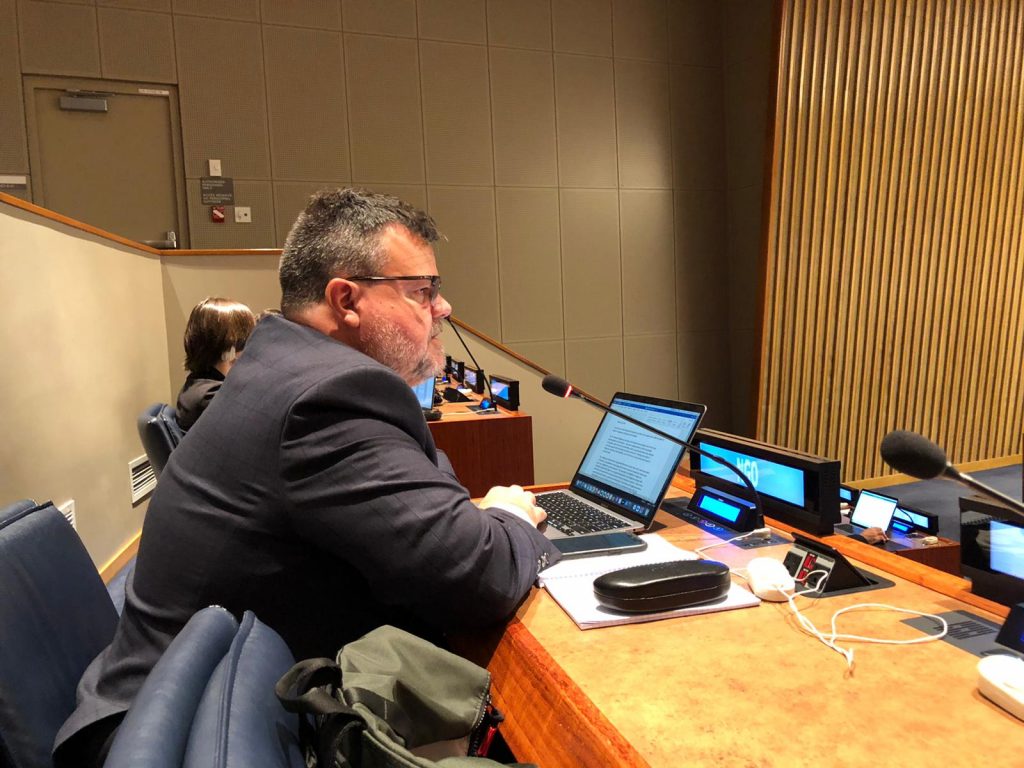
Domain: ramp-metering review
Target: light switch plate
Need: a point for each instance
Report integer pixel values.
(243, 214)
(214, 167)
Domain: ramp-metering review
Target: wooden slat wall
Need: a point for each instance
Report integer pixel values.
(895, 255)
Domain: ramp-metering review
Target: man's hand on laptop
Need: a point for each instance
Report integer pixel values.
(874, 536)
(514, 500)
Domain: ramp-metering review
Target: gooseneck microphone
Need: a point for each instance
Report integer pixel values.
(559, 387)
(487, 404)
(917, 456)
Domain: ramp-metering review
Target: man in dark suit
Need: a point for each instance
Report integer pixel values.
(310, 491)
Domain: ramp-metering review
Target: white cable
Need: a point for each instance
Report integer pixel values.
(835, 635)
(831, 639)
(760, 533)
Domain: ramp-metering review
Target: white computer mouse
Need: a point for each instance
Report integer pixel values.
(769, 579)
(1001, 679)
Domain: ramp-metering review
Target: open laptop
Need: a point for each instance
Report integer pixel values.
(425, 394)
(873, 510)
(626, 470)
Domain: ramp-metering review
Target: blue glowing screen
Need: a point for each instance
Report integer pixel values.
(768, 477)
(1007, 548)
(719, 508)
(425, 393)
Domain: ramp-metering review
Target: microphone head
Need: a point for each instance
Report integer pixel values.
(913, 454)
(556, 385)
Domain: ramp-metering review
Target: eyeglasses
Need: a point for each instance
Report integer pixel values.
(430, 293)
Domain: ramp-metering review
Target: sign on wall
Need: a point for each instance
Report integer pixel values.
(217, 190)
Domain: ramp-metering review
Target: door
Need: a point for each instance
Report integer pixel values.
(109, 154)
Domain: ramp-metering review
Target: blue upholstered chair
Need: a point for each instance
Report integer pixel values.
(55, 616)
(160, 434)
(155, 732)
(240, 723)
(210, 703)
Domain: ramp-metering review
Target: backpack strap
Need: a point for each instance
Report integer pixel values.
(329, 730)
(307, 689)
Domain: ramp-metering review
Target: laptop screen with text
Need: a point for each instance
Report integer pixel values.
(630, 467)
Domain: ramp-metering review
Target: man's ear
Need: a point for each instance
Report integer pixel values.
(340, 295)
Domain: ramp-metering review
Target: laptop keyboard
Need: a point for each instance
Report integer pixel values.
(572, 517)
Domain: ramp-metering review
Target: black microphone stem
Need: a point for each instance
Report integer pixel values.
(678, 441)
(487, 382)
(1016, 507)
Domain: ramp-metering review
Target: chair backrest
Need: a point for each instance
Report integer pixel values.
(240, 722)
(160, 434)
(55, 617)
(155, 731)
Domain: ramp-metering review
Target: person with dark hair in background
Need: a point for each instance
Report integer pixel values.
(311, 492)
(215, 336)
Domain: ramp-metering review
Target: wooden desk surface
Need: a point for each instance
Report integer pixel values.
(748, 687)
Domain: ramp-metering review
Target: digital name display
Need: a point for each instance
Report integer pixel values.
(768, 477)
(911, 517)
(719, 508)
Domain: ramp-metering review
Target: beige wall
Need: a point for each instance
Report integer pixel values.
(84, 350)
(573, 151)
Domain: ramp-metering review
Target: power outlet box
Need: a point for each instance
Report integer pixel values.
(243, 214)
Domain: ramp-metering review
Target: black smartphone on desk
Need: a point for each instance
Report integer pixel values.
(599, 544)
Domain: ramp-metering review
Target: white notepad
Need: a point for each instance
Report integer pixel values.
(571, 584)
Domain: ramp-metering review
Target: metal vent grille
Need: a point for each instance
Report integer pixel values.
(68, 510)
(142, 478)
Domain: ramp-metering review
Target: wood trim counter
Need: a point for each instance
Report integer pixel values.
(46, 213)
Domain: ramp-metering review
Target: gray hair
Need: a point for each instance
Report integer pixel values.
(338, 235)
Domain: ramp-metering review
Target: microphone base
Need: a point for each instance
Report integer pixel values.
(480, 411)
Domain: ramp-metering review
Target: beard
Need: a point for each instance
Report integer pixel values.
(387, 344)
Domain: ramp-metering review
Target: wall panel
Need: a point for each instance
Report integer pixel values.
(309, 125)
(136, 46)
(13, 142)
(894, 253)
(456, 114)
(523, 110)
(530, 269)
(58, 39)
(384, 109)
(223, 107)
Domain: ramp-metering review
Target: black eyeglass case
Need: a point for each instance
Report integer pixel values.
(663, 586)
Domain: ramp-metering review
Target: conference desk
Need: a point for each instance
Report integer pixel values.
(747, 687)
(485, 449)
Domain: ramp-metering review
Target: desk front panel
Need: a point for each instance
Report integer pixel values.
(486, 450)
